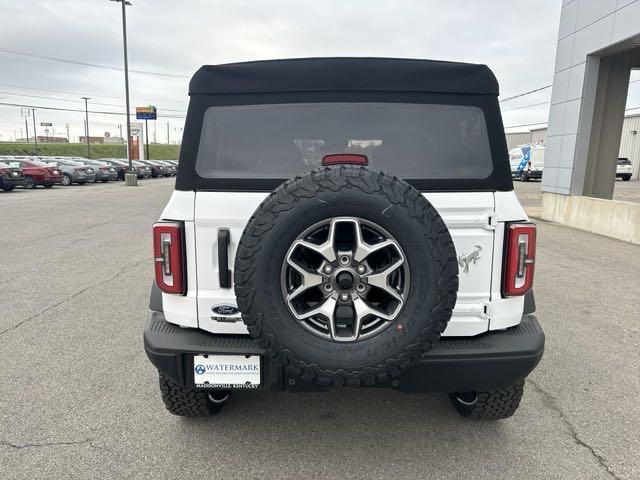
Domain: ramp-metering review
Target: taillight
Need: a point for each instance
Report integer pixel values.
(520, 258)
(168, 255)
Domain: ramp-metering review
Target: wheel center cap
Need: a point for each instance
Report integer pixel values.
(345, 280)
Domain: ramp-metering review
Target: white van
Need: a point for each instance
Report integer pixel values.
(527, 162)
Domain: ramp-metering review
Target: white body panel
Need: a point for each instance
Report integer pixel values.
(179, 309)
(474, 219)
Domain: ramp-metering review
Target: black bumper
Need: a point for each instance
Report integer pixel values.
(11, 181)
(486, 362)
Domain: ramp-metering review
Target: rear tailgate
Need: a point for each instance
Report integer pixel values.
(468, 215)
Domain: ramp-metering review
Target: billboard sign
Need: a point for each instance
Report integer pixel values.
(46, 124)
(146, 113)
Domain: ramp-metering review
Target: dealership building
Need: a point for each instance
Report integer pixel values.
(598, 46)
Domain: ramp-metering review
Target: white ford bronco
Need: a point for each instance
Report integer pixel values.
(344, 222)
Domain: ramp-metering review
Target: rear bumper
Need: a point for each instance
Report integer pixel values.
(82, 177)
(487, 362)
(11, 181)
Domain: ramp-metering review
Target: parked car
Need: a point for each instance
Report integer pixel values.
(36, 172)
(120, 166)
(170, 168)
(142, 170)
(157, 169)
(624, 169)
(10, 177)
(328, 272)
(527, 162)
(104, 171)
(72, 171)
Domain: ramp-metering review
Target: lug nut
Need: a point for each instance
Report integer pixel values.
(361, 269)
(344, 260)
(328, 287)
(328, 269)
(344, 297)
(361, 288)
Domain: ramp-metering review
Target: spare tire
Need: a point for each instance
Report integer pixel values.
(346, 275)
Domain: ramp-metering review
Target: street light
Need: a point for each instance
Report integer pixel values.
(130, 177)
(86, 124)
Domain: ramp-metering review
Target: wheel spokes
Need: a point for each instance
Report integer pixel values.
(345, 288)
(326, 309)
(309, 279)
(381, 280)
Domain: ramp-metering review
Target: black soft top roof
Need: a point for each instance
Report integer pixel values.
(344, 74)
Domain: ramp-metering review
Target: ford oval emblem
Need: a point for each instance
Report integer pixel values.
(225, 310)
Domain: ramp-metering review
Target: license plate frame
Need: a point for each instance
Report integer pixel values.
(226, 372)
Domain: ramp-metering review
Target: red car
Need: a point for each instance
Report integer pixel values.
(36, 172)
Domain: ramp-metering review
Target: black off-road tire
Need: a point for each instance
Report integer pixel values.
(185, 402)
(8, 188)
(493, 405)
(626, 178)
(328, 193)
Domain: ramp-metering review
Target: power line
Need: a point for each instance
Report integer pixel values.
(541, 103)
(60, 109)
(513, 97)
(547, 122)
(88, 64)
(66, 92)
(526, 106)
(80, 101)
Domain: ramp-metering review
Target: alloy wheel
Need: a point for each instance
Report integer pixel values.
(345, 279)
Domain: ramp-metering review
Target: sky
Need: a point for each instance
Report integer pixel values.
(516, 38)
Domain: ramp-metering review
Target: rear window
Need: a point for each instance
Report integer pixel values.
(413, 141)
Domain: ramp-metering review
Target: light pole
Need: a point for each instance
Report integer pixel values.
(86, 124)
(130, 177)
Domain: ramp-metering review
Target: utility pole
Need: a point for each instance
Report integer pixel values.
(146, 136)
(167, 133)
(155, 139)
(130, 177)
(68, 140)
(86, 129)
(35, 133)
(26, 114)
(120, 128)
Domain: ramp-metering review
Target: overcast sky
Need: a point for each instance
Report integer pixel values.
(516, 38)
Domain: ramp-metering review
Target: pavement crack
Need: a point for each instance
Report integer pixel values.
(552, 403)
(76, 294)
(19, 446)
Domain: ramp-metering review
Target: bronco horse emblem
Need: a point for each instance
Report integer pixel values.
(465, 260)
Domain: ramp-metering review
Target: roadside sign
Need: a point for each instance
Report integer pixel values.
(135, 129)
(46, 124)
(146, 113)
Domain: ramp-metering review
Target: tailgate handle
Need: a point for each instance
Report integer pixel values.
(224, 273)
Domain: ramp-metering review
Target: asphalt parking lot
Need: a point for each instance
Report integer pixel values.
(80, 400)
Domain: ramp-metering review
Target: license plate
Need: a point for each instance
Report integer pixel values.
(226, 371)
